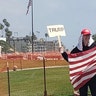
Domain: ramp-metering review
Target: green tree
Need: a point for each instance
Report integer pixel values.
(29, 38)
(5, 46)
(6, 23)
(46, 35)
(94, 37)
(34, 36)
(1, 28)
(8, 33)
(5, 28)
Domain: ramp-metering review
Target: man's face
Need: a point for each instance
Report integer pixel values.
(86, 39)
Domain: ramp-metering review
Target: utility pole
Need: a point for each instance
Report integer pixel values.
(30, 3)
(45, 91)
(32, 24)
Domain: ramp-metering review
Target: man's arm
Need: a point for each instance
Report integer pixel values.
(65, 56)
(63, 53)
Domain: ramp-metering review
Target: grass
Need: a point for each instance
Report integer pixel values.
(31, 82)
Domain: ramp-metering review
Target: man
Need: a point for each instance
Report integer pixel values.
(85, 43)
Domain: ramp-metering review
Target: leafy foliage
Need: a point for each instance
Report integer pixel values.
(5, 46)
(94, 37)
(1, 26)
(6, 26)
(46, 35)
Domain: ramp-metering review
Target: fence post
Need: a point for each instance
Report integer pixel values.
(21, 63)
(45, 91)
(8, 79)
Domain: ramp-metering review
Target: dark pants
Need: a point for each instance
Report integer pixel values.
(92, 86)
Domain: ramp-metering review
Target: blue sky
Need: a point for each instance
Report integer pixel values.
(73, 14)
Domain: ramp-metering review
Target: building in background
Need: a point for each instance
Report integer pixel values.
(24, 45)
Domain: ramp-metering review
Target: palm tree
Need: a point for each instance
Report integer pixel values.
(6, 23)
(46, 35)
(8, 33)
(1, 28)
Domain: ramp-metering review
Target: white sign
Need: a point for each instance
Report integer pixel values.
(56, 30)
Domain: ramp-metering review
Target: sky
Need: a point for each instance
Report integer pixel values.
(75, 15)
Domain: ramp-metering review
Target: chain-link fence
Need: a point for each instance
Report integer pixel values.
(3, 80)
(34, 77)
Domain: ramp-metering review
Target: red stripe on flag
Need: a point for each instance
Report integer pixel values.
(81, 53)
(92, 56)
(83, 82)
(72, 69)
(82, 67)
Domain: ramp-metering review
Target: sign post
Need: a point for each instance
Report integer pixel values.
(59, 41)
(8, 79)
(44, 67)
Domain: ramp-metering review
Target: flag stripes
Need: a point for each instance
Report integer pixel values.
(82, 67)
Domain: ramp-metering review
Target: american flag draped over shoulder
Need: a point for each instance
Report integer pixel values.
(82, 67)
(29, 4)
